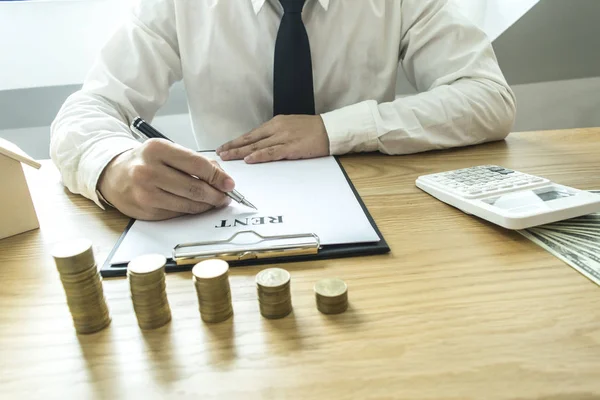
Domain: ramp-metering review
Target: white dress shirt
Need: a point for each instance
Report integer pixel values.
(223, 50)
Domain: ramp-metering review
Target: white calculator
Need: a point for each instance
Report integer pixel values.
(508, 198)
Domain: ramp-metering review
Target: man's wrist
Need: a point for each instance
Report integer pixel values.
(102, 178)
(103, 199)
(94, 163)
(351, 128)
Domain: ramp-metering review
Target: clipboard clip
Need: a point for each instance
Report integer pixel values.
(262, 247)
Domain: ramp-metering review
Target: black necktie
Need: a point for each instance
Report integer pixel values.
(292, 74)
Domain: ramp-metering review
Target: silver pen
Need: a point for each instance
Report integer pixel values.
(237, 196)
(149, 131)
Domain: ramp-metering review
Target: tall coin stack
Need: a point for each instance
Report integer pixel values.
(274, 296)
(331, 296)
(83, 285)
(211, 279)
(147, 283)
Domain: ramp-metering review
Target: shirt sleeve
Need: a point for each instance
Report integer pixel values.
(131, 77)
(463, 100)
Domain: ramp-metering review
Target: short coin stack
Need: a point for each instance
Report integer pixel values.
(83, 285)
(331, 296)
(146, 276)
(211, 279)
(274, 296)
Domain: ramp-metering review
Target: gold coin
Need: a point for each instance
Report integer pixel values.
(211, 280)
(146, 264)
(73, 256)
(152, 312)
(155, 323)
(329, 309)
(331, 287)
(140, 290)
(214, 319)
(214, 306)
(273, 278)
(278, 297)
(213, 285)
(91, 312)
(332, 301)
(84, 275)
(210, 269)
(276, 314)
(150, 303)
(92, 328)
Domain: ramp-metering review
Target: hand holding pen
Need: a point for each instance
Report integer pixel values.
(160, 180)
(150, 132)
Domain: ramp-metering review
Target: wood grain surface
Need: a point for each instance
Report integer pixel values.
(461, 309)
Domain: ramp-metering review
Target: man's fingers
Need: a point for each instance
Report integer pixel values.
(188, 162)
(158, 215)
(273, 153)
(163, 201)
(216, 164)
(183, 185)
(246, 139)
(242, 152)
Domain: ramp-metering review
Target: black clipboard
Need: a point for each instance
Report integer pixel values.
(109, 270)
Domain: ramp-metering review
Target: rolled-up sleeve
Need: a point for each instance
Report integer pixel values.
(131, 76)
(463, 97)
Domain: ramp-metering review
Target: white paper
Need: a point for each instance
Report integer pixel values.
(292, 197)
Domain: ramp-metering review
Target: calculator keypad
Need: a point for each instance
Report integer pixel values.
(484, 180)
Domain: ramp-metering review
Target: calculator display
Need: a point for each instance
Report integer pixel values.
(524, 198)
(553, 195)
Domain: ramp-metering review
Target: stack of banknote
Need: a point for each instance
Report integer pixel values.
(576, 241)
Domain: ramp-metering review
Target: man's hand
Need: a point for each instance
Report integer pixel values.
(161, 180)
(288, 137)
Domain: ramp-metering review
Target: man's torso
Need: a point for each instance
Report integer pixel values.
(227, 51)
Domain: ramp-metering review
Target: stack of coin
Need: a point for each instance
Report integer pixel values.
(331, 296)
(211, 278)
(83, 285)
(274, 296)
(146, 276)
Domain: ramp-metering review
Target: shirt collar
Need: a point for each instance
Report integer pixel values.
(258, 4)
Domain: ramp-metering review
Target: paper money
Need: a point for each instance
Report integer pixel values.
(575, 241)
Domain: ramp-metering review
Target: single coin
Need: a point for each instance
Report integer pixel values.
(276, 297)
(85, 329)
(73, 256)
(212, 284)
(331, 287)
(273, 277)
(83, 275)
(71, 248)
(277, 313)
(331, 309)
(216, 318)
(146, 264)
(210, 269)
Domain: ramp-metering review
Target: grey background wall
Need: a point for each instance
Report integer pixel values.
(556, 40)
(550, 57)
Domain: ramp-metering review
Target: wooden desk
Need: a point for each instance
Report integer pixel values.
(461, 309)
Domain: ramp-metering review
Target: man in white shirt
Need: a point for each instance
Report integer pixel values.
(258, 91)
